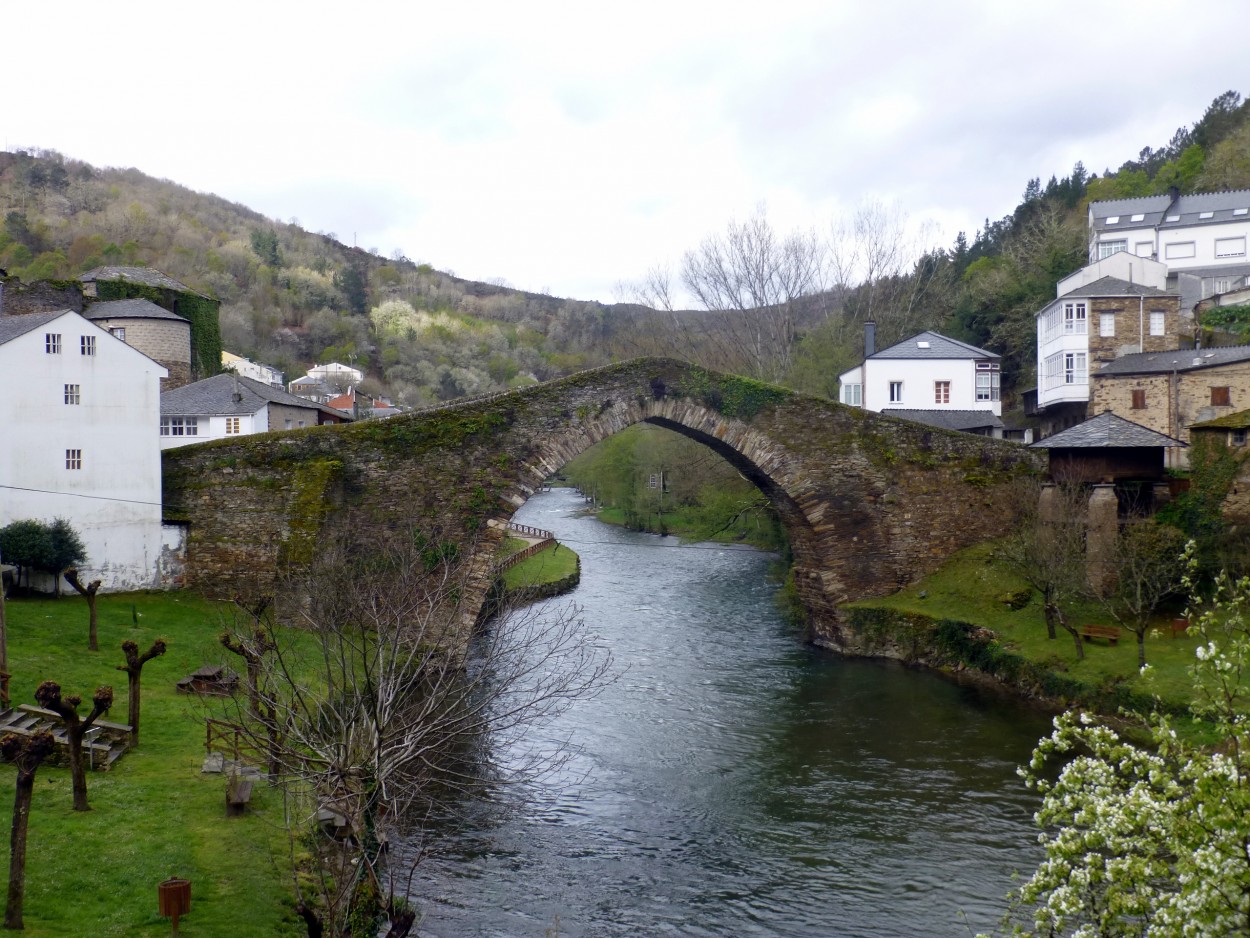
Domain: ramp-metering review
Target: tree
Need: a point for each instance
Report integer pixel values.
(26, 754)
(1047, 550)
(381, 706)
(89, 591)
(1150, 838)
(351, 283)
(134, 669)
(48, 696)
(265, 246)
(26, 544)
(1147, 569)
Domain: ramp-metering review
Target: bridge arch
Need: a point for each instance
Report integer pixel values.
(870, 503)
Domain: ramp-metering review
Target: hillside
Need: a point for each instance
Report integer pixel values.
(291, 297)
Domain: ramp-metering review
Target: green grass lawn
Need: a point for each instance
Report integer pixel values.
(546, 566)
(973, 586)
(154, 814)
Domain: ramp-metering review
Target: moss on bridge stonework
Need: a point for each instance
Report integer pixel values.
(870, 502)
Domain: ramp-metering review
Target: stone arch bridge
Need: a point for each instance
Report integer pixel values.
(870, 503)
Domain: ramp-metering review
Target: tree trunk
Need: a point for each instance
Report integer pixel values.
(134, 708)
(1141, 648)
(1076, 636)
(77, 771)
(22, 795)
(1049, 613)
(93, 639)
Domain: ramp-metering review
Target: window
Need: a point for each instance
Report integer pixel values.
(119, 332)
(1157, 320)
(52, 343)
(232, 424)
(72, 395)
(1139, 399)
(1240, 211)
(653, 482)
(1138, 218)
(1106, 325)
(987, 381)
(180, 426)
(73, 459)
(1178, 250)
(1074, 318)
(1230, 247)
(896, 392)
(1113, 219)
(941, 392)
(1237, 437)
(289, 423)
(1206, 214)
(1220, 397)
(1074, 370)
(853, 394)
(1107, 248)
(1144, 248)
(88, 345)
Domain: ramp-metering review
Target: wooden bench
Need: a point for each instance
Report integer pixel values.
(238, 794)
(1110, 632)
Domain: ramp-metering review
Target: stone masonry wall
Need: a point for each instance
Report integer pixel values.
(1173, 401)
(870, 502)
(163, 340)
(1132, 319)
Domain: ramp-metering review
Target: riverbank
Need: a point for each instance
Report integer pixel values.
(154, 815)
(975, 615)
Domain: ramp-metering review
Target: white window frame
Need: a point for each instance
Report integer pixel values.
(73, 459)
(1106, 325)
(1158, 322)
(1179, 250)
(73, 394)
(1230, 247)
(1075, 368)
(853, 395)
(1237, 437)
(1075, 320)
(1107, 248)
(180, 426)
(52, 343)
(232, 425)
(86, 345)
(118, 332)
(942, 391)
(896, 392)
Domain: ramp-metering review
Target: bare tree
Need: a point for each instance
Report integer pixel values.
(754, 277)
(134, 669)
(252, 647)
(379, 708)
(1047, 550)
(89, 591)
(1149, 568)
(48, 696)
(26, 753)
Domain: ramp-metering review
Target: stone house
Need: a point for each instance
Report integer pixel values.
(1232, 431)
(1170, 391)
(158, 333)
(80, 442)
(229, 405)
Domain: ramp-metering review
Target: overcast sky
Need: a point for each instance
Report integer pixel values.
(566, 147)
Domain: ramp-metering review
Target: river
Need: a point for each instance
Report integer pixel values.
(735, 781)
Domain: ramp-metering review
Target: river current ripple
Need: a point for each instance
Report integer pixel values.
(734, 781)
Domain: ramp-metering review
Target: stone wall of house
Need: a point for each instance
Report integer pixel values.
(166, 341)
(1132, 319)
(1173, 401)
(279, 414)
(871, 503)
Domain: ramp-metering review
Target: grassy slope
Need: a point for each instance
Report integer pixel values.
(972, 586)
(155, 815)
(547, 566)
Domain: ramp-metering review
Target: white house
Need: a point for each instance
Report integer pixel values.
(79, 430)
(250, 369)
(229, 405)
(926, 377)
(1200, 237)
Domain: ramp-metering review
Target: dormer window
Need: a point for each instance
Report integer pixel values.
(1206, 214)
(1240, 211)
(1114, 219)
(1137, 218)
(1174, 218)
(922, 345)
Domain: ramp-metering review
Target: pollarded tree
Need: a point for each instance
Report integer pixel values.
(89, 592)
(26, 754)
(134, 669)
(1148, 569)
(48, 696)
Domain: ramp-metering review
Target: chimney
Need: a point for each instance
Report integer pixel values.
(870, 338)
(1174, 193)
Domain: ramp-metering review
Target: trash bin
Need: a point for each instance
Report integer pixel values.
(173, 898)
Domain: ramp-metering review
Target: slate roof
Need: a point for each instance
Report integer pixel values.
(949, 419)
(1238, 421)
(1114, 286)
(1157, 209)
(939, 346)
(143, 275)
(1186, 359)
(11, 327)
(130, 309)
(1106, 431)
(215, 397)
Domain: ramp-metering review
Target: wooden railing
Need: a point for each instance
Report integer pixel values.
(526, 531)
(509, 562)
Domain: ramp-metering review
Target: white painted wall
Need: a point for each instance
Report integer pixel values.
(918, 377)
(114, 500)
(213, 427)
(1203, 238)
(1123, 266)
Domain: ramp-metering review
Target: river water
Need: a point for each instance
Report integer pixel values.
(734, 781)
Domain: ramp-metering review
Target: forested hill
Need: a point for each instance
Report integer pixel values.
(291, 297)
